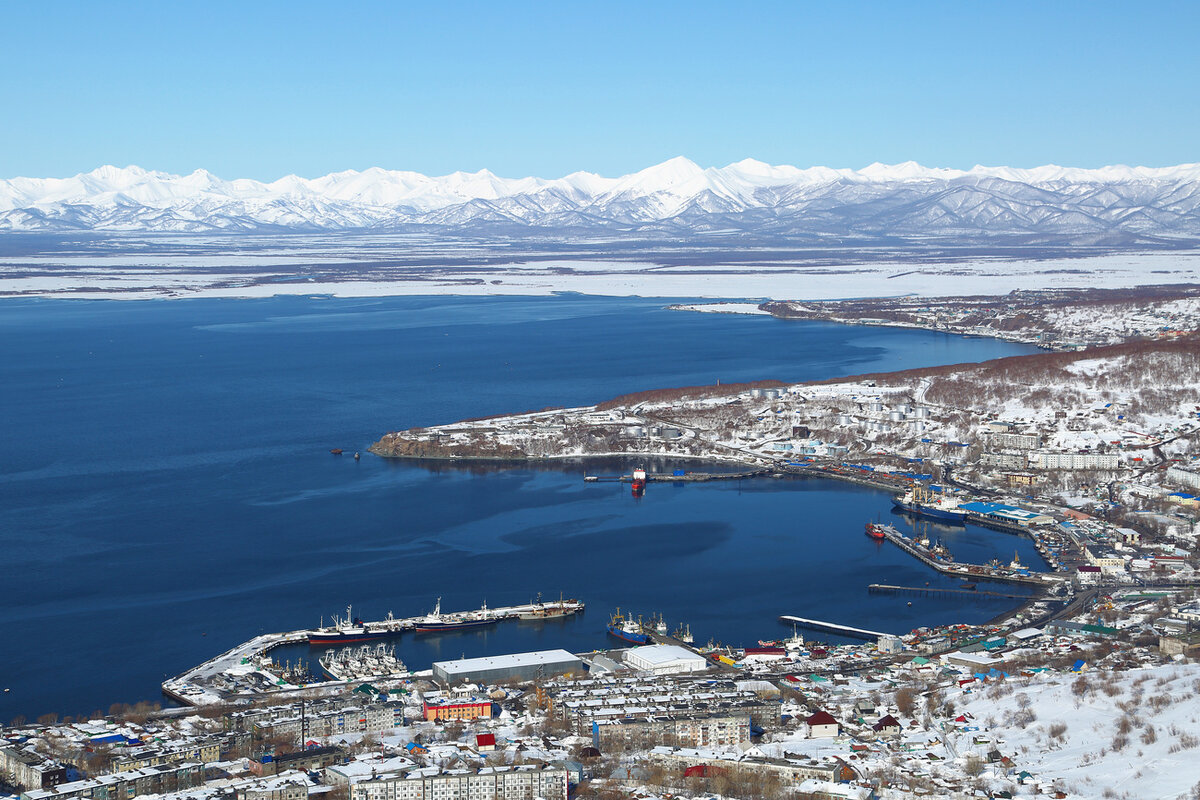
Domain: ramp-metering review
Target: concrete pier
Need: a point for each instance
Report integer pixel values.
(832, 627)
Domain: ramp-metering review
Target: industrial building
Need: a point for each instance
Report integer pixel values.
(1005, 513)
(518, 667)
(664, 659)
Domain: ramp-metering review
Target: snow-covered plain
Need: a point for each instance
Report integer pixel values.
(355, 275)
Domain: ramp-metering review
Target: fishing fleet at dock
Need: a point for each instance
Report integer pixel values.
(352, 630)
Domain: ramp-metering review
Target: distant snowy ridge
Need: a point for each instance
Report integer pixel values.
(676, 197)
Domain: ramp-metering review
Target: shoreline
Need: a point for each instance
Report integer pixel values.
(767, 472)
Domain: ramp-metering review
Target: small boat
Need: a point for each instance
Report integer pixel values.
(337, 451)
(357, 456)
(875, 531)
(639, 482)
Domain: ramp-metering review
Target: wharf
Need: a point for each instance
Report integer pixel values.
(884, 588)
(244, 671)
(831, 626)
(998, 524)
(836, 473)
(972, 571)
(689, 477)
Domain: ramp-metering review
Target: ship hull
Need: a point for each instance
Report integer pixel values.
(955, 515)
(533, 616)
(335, 639)
(464, 625)
(625, 636)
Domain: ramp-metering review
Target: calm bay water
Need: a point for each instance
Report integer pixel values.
(167, 489)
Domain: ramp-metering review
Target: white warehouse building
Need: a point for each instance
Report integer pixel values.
(664, 659)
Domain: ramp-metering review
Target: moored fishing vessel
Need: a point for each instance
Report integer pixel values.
(366, 662)
(627, 629)
(552, 610)
(437, 622)
(351, 630)
(926, 503)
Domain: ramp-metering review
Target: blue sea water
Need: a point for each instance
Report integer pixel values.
(167, 487)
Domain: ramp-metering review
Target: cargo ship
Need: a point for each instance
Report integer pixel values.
(350, 630)
(437, 622)
(639, 482)
(627, 629)
(926, 503)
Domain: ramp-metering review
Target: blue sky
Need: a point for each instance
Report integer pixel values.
(265, 89)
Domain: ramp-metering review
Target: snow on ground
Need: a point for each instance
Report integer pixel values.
(49, 276)
(1132, 734)
(722, 308)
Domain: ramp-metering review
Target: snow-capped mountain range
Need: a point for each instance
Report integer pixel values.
(675, 197)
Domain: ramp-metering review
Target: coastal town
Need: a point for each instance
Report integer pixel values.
(1084, 689)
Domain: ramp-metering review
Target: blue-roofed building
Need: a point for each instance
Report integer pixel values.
(1005, 513)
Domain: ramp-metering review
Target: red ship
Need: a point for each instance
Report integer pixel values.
(875, 531)
(639, 482)
(639, 486)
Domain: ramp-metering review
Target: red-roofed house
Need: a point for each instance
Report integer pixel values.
(485, 742)
(887, 726)
(822, 726)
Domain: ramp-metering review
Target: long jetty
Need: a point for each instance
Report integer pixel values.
(686, 477)
(885, 588)
(958, 570)
(831, 626)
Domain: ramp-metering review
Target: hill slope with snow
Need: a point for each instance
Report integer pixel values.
(676, 197)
